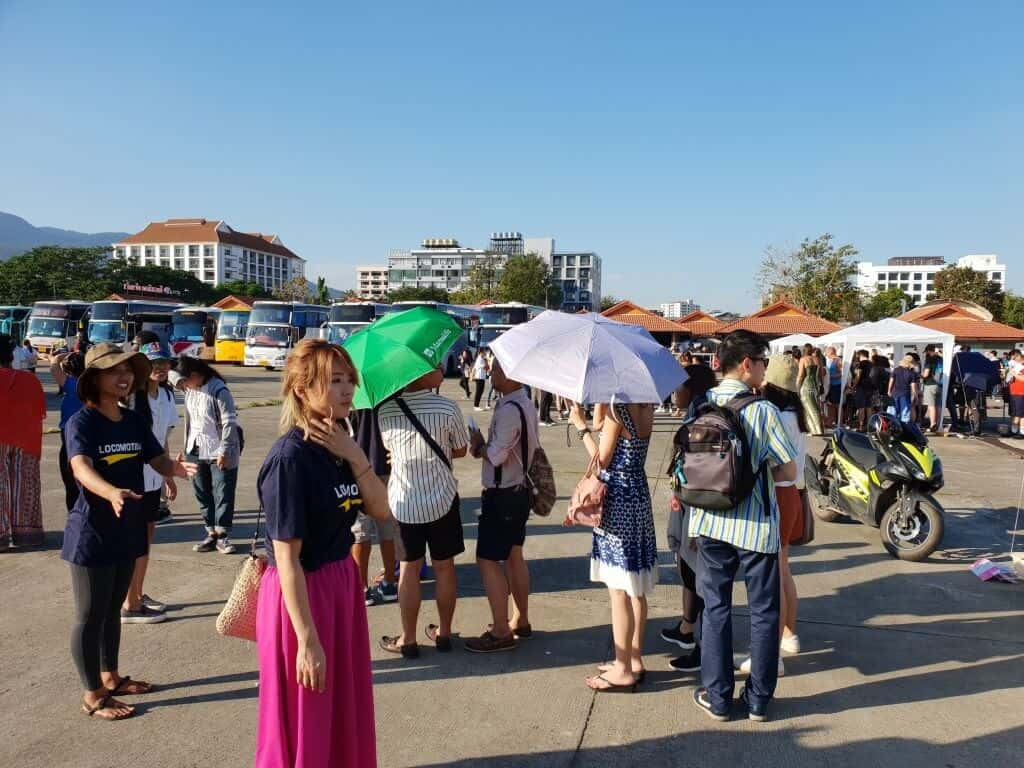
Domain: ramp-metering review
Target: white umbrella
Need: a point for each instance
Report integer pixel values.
(588, 359)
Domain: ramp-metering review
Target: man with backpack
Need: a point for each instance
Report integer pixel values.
(507, 454)
(726, 463)
(424, 432)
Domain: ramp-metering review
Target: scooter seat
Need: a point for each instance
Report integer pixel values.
(858, 447)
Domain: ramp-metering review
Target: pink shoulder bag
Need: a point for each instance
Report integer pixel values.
(587, 502)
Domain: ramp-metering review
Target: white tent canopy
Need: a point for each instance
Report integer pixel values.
(898, 333)
(793, 340)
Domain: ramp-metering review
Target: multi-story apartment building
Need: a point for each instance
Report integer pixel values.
(580, 275)
(213, 252)
(915, 275)
(372, 282)
(674, 310)
(437, 263)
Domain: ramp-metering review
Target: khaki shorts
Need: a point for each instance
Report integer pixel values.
(366, 529)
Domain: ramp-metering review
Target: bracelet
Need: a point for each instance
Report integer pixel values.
(367, 469)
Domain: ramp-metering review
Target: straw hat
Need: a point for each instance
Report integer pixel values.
(782, 372)
(103, 357)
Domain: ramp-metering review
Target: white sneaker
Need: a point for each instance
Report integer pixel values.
(790, 643)
(477, 408)
(744, 667)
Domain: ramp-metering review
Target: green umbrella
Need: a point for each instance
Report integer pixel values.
(398, 349)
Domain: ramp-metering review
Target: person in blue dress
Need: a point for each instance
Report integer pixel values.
(624, 553)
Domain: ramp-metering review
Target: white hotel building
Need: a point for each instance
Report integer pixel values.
(213, 252)
(915, 275)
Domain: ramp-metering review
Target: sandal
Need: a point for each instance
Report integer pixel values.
(129, 687)
(442, 642)
(107, 703)
(391, 645)
(609, 686)
(640, 676)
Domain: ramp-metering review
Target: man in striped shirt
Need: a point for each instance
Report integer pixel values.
(424, 432)
(746, 535)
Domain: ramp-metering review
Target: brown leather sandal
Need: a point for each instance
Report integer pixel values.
(129, 687)
(107, 702)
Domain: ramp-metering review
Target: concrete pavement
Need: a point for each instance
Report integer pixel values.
(903, 664)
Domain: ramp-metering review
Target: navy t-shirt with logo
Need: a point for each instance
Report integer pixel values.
(94, 536)
(307, 494)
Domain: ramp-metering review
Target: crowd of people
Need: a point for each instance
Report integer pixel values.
(336, 481)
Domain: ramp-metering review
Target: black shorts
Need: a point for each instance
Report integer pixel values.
(503, 516)
(1017, 406)
(444, 537)
(834, 392)
(151, 506)
(863, 398)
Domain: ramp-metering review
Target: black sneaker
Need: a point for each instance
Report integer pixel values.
(688, 663)
(370, 596)
(758, 713)
(673, 635)
(700, 698)
(209, 544)
(144, 615)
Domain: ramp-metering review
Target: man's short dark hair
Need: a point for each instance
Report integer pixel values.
(6, 350)
(738, 346)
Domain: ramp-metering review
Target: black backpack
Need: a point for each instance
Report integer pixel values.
(712, 467)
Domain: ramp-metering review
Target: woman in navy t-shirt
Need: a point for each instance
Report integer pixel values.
(315, 696)
(107, 447)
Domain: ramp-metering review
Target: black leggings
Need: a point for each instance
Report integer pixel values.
(690, 582)
(96, 635)
(478, 392)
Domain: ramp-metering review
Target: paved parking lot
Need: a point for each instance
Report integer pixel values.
(904, 664)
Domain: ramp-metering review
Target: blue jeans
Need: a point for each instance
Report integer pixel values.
(719, 562)
(901, 407)
(215, 493)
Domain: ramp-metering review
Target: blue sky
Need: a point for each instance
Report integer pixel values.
(676, 139)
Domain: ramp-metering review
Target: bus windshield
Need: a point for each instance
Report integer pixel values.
(271, 315)
(486, 335)
(338, 332)
(353, 313)
(188, 326)
(507, 316)
(232, 325)
(109, 311)
(268, 335)
(52, 327)
(106, 331)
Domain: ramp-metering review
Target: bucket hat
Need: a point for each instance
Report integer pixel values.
(103, 357)
(782, 372)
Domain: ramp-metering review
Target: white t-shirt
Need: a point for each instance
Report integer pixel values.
(480, 369)
(799, 440)
(22, 358)
(165, 418)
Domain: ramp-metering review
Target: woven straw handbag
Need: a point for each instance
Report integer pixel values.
(238, 617)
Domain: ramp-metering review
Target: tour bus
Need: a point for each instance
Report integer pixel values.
(495, 319)
(467, 317)
(231, 330)
(194, 332)
(275, 327)
(13, 321)
(350, 317)
(53, 325)
(118, 322)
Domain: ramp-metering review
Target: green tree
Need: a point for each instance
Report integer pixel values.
(410, 293)
(322, 296)
(241, 288)
(528, 279)
(1013, 309)
(817, 277)
(296, 289)
(608, 301)
(891, 302)
(482, 280)
(55, 272)
(966, 284)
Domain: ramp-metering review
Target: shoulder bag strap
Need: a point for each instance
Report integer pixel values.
(256, 533)
(422, 430)
(523, 446)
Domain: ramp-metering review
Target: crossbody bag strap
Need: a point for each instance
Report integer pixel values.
(422, 430)
(256, 533)
(523, 446)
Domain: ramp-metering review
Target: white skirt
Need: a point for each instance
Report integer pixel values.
(632, 583)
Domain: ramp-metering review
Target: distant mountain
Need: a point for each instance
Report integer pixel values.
(18, 236)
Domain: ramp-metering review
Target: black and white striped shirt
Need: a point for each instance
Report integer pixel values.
(421, 488)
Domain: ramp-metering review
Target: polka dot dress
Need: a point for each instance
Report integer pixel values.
(624, 555)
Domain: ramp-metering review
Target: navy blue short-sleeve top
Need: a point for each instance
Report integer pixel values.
(307, 494)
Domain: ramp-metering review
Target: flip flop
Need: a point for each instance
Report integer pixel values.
(105, 703)
(140, 688)
(442, 642)
(611, 687)
(391, 645)
(640, 676)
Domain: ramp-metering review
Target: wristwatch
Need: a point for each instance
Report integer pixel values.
(581, 433)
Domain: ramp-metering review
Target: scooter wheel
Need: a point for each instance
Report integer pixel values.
(921, 537)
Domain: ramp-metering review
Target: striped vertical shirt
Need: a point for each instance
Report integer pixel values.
(749, 526)
(421, 488)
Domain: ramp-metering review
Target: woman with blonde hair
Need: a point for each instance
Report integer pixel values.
(315, 691)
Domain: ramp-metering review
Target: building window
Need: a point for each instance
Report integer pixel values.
(556, 261)
(904, 275)
(207, 263)
(584, 273)
(193, 251)
(193, 264)
(917, 275)
(209, 276)
(881, 277)
(570, 261)
(584, 261)
(227, 250)
(570, 272)
(208, 251)
(135, 254)
(121, 254)
(894, 276)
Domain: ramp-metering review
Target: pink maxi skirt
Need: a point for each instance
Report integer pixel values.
(299, 728)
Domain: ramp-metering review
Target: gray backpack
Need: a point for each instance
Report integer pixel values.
(712, 467)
